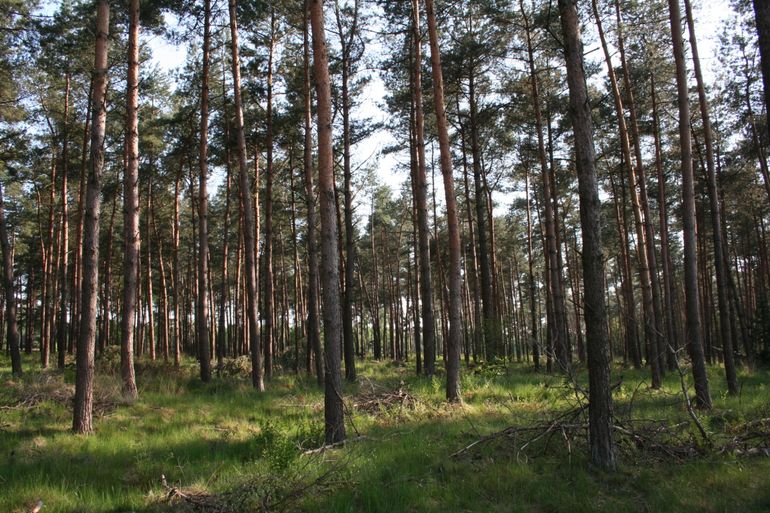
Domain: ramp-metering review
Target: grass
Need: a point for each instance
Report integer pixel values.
(227, 441)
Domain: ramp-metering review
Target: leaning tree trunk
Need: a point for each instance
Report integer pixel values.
(333, 407)
(692, 301)
(130, 209)
(652, 257)
(84, 374)
(652, 329)
(721, 270)
(454, 341)
(247, 208)
(600, 396)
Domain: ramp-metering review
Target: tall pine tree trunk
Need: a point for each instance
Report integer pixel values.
(333, 407)
(692, 303)
(313, 330)
(247, 208)
(269, 315)
(201, 304)
(600, 396)
(131, 209)
(12, 332)
(651, 324)
(454, 341)
(84, 373)
(421, 193)
(62, 331)
(720, 268)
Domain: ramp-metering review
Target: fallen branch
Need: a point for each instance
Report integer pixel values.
(334, 445)
(687, 402)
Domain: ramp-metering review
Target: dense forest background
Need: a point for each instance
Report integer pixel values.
(555, 187)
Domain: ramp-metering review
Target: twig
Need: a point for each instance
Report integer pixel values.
(687, 401)
(334, 445)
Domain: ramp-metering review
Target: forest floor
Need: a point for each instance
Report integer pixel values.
(222, 447)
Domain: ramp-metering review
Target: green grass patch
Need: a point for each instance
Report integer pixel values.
(223, 445)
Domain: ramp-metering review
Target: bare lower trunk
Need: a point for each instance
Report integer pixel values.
(269, 315)
(428, 338)
(692, 302)
(131, 235)
(201, 304)
(600, 398)
(12, 332)
(84, 374)
(176, 275)
(61, 331)
(333, 407)
(716, 222)
(313, 330)
(249, 225)
(454, 341)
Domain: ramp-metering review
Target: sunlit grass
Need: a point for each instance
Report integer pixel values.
(216, 437)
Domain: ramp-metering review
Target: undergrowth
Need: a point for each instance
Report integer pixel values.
(223, 447)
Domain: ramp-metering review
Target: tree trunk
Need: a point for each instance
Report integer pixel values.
(651, 331)
(453, 344)
(84, 373)
(249, 226)
(346, 43)
(62, 331)
(692, 306)
(333, 406)
(491, 338)
(720, 268)
(559, 328)
(268, 314)
(665, 256)
(131, 236)
(421, 202)
(150, 296)
(12, 332)
(222, 334)
(600, 396)
(176, 276)
(201, 304)
(762, 19)
(652, 258)
(313, 330)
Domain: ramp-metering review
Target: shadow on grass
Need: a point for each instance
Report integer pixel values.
(215, 437)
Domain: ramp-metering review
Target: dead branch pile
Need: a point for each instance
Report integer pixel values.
(265, 493)
(30, 392)
(654, 439)
(749, 439)
(379, 399)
